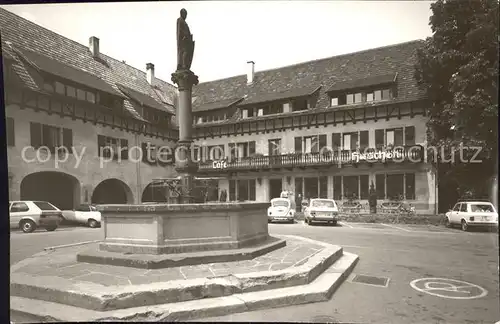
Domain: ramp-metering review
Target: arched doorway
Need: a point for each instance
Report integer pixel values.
(58, 188)
(112, 191)
(155, 193)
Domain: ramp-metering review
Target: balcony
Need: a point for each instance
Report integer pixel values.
(411, 154)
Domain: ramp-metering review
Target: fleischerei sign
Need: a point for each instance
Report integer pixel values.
(378, 155)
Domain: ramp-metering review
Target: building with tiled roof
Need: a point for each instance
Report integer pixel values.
(327, 128)
(61, 93)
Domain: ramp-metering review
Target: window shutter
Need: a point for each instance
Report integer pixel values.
(322, 142)
(100, 144)
(379, 138)
(68, 139)
(124, 149)
(144, 149)
(298, 144)
(10, 132)
(36, 134)
(354, 141)
(336, 141)
(232, 190)
(251, 148)
(363, 140)
(398, 137)
(251, 188)
(410, 135)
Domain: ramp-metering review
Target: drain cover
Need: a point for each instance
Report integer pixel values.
(371, 280)
(324, 319)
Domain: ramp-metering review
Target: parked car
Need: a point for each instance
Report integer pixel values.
(83, 214)
(472, 213)
(281, 209)
(29, 215)
(321, 210)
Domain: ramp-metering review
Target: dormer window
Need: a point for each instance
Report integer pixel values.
(360, 97)
(334, 101)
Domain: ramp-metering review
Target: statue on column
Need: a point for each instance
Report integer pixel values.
(185, 43)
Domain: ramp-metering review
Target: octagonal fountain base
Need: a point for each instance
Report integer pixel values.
(169, 235)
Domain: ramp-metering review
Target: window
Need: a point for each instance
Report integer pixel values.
(378, 95)
(244, 113)
(410, 135)
(311, 187)
(43, 205)
(242, 190)
(48, 87)
(51, 137)
(80, 94)
(109, 145)
(347, 142)
(363, 187)
(323, 187)
(83, 208)
(369, 97)
(337, 187)
(60, 88)
(380, 186)
(310, 144)
(334, 102)
(463, 207)
(9, 123)
(70, 91)
(350, 99)
(148, 152)
(241, 150)
(18, 207)
(274, 146)
(336, 141)
(395, 186)
(410, 186)
(457, 207)
(358, 97)
(386, 94)
(351, 187)
(363, 140)
(214, 152)
(260, 112)
(379, 138)
(394, 137)
(298, 187)
(350, 141)
(90, 97)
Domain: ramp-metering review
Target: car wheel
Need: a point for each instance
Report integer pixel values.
(51, 228)
(28, 226)
(447, 222)
(465, 227)
(92, 223)
(334, 223)
(309, 222)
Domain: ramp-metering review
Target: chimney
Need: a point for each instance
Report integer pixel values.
(150, 72)
(94, 46)
(250, 71)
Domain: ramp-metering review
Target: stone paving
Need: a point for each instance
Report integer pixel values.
(62, 263)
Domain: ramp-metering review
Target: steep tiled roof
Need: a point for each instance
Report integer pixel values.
(22, 34)
(215, 105)
(354, 68)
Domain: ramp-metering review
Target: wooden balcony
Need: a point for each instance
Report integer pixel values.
(407, 154)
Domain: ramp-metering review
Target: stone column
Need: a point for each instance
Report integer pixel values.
(185, 80)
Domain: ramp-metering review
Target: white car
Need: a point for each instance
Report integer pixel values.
(29, 215)
(472, 213)
(281, 209)
(83, 214)
(321, 210)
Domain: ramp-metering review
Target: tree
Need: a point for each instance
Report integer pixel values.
(458, 68)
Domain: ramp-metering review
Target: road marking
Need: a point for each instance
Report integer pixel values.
(346, 224)
(450, 288)
(69, 245)
(396, 227)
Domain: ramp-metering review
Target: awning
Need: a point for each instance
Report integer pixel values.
(54, 67)
(142, 98)
(217, 104)
(273, 96)
(365, 82)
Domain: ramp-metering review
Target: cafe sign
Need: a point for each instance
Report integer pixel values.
(221, 164)
(377, 156)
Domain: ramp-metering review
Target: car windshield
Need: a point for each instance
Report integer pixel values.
(323, 203)
(280, 203)
(481, 208)
(43, 205)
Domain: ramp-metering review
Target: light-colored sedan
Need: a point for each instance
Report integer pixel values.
(28, 215)
(281, 209)
(83, 214)
(472, 213)
(321, 210)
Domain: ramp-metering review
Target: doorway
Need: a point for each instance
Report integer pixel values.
(275, 187)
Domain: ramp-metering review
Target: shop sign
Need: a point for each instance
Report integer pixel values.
(221, 164)
(377, 156)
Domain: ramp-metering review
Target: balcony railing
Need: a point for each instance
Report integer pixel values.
(297, 160)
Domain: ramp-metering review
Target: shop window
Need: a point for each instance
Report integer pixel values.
(395, 186)
(410, 186)
(380, 186)
(351, 187)
(323, 187)
(363, 187)
(337, 187)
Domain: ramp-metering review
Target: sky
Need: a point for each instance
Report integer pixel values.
(227, 34)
